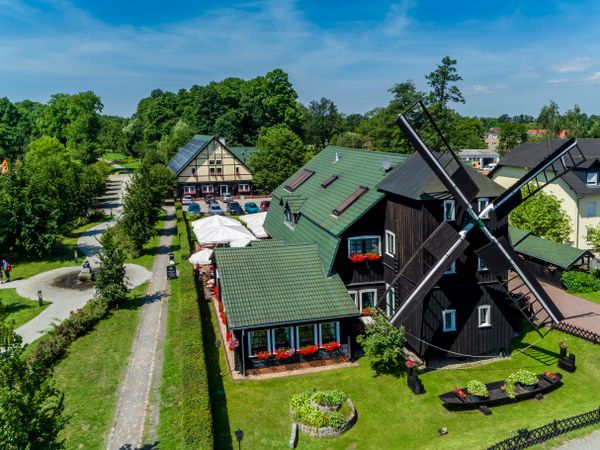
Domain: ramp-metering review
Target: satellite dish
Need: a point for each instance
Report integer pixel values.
(387, 163)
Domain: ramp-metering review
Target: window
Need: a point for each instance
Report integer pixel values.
(449, 320)
(368, 297)
(288, 217)
(189, 189)
(449, 210)
(591, 209)
(362, 190)
(258, 341)
(300, 178)
(390, 243)
(242, 187)
(390, 301)
(218, 162)
(354, 296)
(211, 171)
(592, 178)
(306, 335)
(282, 338)
(328, 181)
(193, 171)
(330, 332)
(211, 162)
(482, 203)
(451, 269)
(484, 314)
(481, 265)
(207, 188)
(364, 244)
(237, 170)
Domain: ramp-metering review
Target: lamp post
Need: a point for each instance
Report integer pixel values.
(40, 298)
(239, 435)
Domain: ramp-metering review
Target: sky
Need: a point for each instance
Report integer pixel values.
(513, 56)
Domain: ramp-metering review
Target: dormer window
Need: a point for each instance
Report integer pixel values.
(289, 218)
(592, 177)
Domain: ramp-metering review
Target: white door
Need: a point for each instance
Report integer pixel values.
(224, 189)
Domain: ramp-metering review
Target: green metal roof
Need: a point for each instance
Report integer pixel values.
(560, 255)
(242, 153)
(278, 284)
(316, 223)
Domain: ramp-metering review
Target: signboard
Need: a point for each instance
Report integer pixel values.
(171, 272)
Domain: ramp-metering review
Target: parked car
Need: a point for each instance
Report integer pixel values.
(209, 198)
(251, 208)
(187, 199)
(264, 205)
(226, 198)
(215, 210)
(234, 208)
(490, 166)
(194, 208)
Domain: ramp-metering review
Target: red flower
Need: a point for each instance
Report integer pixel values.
(460, 393)
(228, 335)
(331, 346)
(284, 354)
(309, 350)
(368, 311)
(223, 318)
(372, 256)
(357, 257)
(550, 374)
(220, 306)
(410, 363)
(263, 355)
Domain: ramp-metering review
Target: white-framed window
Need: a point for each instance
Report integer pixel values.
(449, 320)
(211, 162)
(389, 301)
(282, 338)
(591, 209)
(364, 244)
(306, 335)
(329, 332)
(189, 189)
(481, 265)
(390, 243)
(243, 187)
(449, 210)
(258, 341)
(219, 171)
(482, 203)
(207, 188)
(484, 316)
(451, 269)
(354, 296)
(592, 178)
(368, 298)
(211, 171)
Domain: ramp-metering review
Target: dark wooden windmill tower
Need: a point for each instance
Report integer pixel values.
(474, 310)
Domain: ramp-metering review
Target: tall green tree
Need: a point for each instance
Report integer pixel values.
(511, 135)
(31, 408)
(279, 154)
(543, 215)
(14, 130)
(576, 122)
(110, 279)
(549, 118)
(322, 120)
(444, 92)
(178, 137)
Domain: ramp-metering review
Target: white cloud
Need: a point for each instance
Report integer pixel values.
(578, 64)
(397, 18)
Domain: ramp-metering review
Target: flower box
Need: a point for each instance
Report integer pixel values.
(361, 257)
(263, 355)
(284, 354)
(368, 311)
(308, 350)
(331, 346)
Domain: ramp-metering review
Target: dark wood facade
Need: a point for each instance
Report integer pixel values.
(464, 291)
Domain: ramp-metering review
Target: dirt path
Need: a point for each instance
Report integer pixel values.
(145, 362)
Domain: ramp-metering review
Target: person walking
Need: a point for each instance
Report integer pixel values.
(6, 267)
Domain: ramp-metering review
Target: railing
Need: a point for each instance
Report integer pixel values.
(578, 332)
(526, 438)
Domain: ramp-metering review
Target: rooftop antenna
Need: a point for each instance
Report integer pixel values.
(387, 163)
(337, 157)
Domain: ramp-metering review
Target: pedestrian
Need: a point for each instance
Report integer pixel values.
(6, 267)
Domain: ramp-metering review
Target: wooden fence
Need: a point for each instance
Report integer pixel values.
(526, 438)
(579, 332)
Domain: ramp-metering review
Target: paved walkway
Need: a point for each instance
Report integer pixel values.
(576, 310)
(589, 442)
(145, 363)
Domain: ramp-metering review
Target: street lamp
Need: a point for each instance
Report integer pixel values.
(40, 298)
(239, 435)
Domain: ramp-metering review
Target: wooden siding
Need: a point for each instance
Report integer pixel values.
(539, 269)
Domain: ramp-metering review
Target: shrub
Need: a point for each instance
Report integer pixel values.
(581, 282)
(337, 420)
(522, 376)
(476, 387)
(304, 412)
(329, 398)
(383, 343)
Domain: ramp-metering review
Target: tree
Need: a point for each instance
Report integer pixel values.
(14, 131)
(543, 216)
(549, 118)
(443, 91)
(466, 132)
(279, 154)
(31, 408)
(384, 343)
(170, 143)
(110, 280)
(575, 122)
(511, 135)
(322, 120)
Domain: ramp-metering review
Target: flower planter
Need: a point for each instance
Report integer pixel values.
(325, 408)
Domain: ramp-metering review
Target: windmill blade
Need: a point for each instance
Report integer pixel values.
(560, 161)
(444, 245)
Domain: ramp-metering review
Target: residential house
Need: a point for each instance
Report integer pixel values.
(492, 138)
(479, 157)
(205, 165)
(578, 190)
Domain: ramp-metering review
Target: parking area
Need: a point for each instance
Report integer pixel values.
(242, 200)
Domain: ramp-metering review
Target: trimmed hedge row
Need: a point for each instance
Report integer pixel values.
(185, 419)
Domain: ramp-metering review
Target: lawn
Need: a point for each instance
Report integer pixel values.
(20, 309)
(92, 371)
(592, 297)
(126, 161)
(390, 416)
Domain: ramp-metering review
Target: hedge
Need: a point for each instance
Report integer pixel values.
(581, 282)
(185, 417)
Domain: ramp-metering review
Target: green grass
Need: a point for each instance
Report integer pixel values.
(90, 375)
(126, 161)
(592, 297)
(390, 416)
(20, 309)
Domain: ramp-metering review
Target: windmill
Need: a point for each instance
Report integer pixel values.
(445, 245)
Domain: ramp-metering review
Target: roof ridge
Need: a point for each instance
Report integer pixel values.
(380, 152)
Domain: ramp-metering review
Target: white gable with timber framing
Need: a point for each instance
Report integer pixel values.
(207, 166)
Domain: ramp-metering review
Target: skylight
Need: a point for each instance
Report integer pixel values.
(328, 181)
(299, 180)
(362, 190)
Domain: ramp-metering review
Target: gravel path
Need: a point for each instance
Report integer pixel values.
(145, 362)
(590, 442)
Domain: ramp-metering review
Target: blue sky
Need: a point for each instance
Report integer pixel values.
(513, 56)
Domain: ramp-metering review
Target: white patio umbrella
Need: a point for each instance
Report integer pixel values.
(241, 242)
(214, 221)
(255, 222)
(201, 257)
(222, 235)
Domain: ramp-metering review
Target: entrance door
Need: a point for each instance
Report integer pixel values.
(223, 189)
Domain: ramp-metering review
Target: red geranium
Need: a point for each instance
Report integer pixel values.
(223, 318)
(308, 350)
(284, 354)
(263, 355)
(372, 256)
(410, 363)
(228, 335)
(368, 311)
(357, 257)
(550, 374)
(460, 393)
(220, 306)
(331, 346)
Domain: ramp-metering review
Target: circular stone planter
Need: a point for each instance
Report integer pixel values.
(325, 408)
(330, 431)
